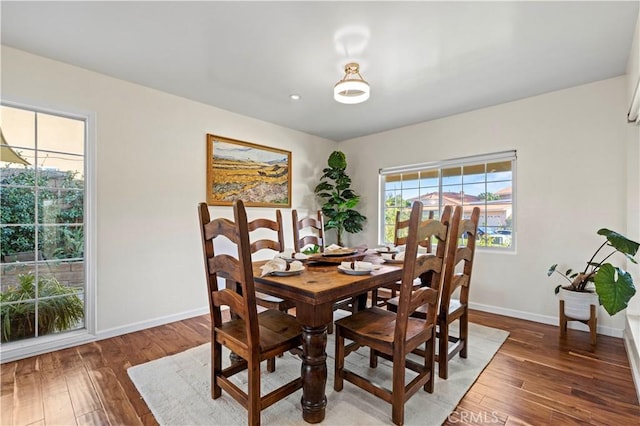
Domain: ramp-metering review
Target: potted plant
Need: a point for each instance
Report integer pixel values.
(612, 286)
(59, 308)
(339, 199)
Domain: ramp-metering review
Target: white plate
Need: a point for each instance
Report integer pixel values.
(349, 271)
(385, 250)
(287, 273)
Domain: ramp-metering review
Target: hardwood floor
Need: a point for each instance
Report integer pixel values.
(534, 379)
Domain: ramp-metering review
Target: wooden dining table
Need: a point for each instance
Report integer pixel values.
(315, 291)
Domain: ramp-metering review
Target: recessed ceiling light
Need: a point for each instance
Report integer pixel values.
(295, 97)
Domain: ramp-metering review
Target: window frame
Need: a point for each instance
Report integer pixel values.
(33, 346)
(510, 155)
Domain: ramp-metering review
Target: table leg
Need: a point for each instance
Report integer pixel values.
(314, 373)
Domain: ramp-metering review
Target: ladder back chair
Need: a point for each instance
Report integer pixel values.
(252, 336)
(453, 309)
(400, 233)
(392, 335)
(314, 224)
(261, 225)
(266, 300)
(273, 225)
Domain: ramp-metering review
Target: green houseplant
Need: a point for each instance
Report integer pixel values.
(613, 285)
(59, 308)
(338, 197)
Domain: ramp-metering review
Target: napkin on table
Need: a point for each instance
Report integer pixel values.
(279, 264)
(290, 254)
(358, 266)
(393, 256)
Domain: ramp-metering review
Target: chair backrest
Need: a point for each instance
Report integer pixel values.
(401, 232)
(433, 265)
(267, 243)
(316, 226)
(466, 254)
(224, 266)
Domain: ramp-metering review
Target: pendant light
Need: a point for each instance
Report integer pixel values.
(352, 89)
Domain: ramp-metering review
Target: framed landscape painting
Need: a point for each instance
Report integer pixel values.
(258, 175)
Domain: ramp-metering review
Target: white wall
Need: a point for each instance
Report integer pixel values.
(633, 161)
(571, 181)
(151, 157)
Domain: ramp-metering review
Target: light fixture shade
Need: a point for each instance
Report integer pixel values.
(352, 89)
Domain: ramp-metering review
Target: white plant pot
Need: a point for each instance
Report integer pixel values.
(577, 303)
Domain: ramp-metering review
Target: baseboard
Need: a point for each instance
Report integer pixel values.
(142, 325)
(544, 319)
(31, 347)
(632, 345)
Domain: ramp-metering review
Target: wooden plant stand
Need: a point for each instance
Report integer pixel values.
(592, 322)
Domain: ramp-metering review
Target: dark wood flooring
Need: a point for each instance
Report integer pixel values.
(534, 379)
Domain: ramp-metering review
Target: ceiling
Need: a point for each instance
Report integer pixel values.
(423, 60)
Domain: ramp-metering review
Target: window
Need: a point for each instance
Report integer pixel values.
(486, 181)
(42, 227)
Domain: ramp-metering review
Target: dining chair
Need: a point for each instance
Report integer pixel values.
(457, 309)
(315, 227)
(392, 335)
(451, 308)
(252, 336)
(400, 233)
(260, 225)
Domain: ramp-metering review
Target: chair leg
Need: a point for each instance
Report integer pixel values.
(443, 350)
(338, 381)
(398, 390)
(464, 333)
(430, 362)
(373, 358)
(253, 402)
(271, 365)
(374, 297)
(216, 367)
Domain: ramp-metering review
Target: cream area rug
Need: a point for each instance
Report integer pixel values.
(177, 388)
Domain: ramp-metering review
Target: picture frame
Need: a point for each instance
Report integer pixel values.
(258, 175)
